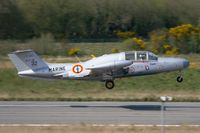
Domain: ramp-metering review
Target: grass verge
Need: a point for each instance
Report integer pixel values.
(86, 128)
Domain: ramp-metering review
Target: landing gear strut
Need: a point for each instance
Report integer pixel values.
(109, 84)
(179, 78)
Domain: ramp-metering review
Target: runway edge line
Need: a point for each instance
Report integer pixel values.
(93, 125)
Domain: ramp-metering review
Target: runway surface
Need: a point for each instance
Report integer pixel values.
(98, 113)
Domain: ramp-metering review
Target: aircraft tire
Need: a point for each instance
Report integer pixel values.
(109, 84)
(179, 79)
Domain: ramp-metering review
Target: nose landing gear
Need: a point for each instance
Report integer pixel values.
(179, 78)
(109, 84)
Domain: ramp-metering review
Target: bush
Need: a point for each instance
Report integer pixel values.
(169, 50)
(186, 37)
(181, 39)
(115, 50)
(74, 51)
(134, 44)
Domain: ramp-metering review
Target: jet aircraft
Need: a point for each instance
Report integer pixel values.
(104, 68)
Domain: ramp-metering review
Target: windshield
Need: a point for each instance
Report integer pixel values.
(152, 56)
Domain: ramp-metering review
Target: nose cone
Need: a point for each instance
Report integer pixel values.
(186, 63)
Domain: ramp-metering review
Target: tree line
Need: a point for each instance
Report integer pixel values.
(82, 19)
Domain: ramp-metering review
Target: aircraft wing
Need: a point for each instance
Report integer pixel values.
(97, 70)
(71, 74)
(107, 68)
(111, 65)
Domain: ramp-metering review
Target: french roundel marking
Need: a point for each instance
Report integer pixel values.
(77, 68)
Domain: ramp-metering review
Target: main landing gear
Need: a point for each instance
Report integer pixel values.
(109, 84)
(179, 78)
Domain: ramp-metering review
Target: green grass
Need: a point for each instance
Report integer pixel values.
(144, 88)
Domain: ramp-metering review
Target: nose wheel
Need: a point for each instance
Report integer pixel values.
(109, 84)
(179, 79)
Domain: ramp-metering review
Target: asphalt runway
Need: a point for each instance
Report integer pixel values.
(98, 113)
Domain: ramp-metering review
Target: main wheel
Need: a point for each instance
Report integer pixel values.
(179, 79)
(109, 84)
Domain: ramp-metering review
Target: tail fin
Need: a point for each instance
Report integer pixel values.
(26, 60)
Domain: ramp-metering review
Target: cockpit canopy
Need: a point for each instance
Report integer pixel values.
(140, 56)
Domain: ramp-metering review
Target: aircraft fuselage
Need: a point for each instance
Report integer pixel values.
(104, 68)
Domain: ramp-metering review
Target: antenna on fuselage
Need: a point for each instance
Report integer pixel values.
(93, 56)
(78, 58)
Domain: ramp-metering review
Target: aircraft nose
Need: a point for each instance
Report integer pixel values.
(186, 63)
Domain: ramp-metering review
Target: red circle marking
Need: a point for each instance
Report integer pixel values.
(77, 69)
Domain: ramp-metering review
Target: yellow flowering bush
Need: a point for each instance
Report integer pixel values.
(173, 51)
(167, 46)
(115, 50)
(157, 41)
(74, 51)
(184, 39)
(183, 31)
(134, 44)
(170, 50)
(138, 43)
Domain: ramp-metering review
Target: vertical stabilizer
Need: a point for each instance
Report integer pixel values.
(26, 60)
